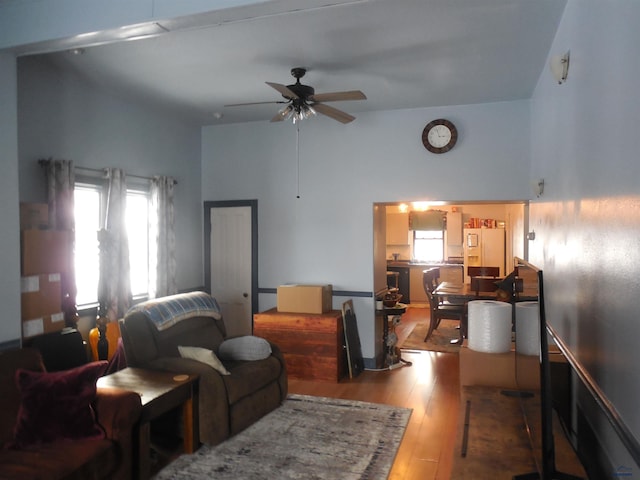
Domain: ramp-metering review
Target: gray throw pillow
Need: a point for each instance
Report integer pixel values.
(203, 355)
(248, 347)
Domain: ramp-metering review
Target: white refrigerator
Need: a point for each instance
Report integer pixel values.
(484, 247)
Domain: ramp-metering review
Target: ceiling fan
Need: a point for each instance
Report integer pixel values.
(302, 102)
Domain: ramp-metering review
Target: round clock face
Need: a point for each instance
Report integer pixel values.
(439, 136)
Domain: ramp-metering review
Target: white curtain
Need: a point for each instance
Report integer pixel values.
(164, 270)
(60, 184)
(114, 284)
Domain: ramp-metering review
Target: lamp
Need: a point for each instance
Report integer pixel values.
(559, 66)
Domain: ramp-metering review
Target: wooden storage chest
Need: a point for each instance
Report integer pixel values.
(312, 344)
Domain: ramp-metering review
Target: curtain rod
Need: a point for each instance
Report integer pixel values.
(43, 162)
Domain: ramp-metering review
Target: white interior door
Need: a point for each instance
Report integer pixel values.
(230, 267)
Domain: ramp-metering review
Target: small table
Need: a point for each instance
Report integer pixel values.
(464, 293)
(159, 392)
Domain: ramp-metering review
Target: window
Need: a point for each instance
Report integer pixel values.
(87, 216)
(428, 245)
(137, 221)
(90, 201)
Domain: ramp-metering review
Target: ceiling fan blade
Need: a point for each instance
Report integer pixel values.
(253, 103)
(286, 93)
(278, 117)
(338, 96)
(334, 113)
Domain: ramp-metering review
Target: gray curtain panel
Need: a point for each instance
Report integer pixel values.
(60, 184)
(114, 284)
(162, 188)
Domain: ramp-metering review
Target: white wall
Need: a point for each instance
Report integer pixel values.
(326, 236)
(585, 145)
(60, 116)
(9, 233)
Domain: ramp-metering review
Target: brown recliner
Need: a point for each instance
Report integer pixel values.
(227, 403)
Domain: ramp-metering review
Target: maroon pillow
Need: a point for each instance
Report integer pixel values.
(56, 406)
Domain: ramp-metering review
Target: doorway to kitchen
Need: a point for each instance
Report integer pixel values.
(401, 229)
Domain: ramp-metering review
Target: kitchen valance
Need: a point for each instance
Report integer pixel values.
(429, 220)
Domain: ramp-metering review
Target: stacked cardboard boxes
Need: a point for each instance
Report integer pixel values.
(45, 257)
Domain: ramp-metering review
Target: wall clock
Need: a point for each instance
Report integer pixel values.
(439, 136)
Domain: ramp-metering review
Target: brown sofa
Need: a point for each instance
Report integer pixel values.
(116, 411)
(227, 403)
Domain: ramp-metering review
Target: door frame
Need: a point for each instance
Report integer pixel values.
(208, 206)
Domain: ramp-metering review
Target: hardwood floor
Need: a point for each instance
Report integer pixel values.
(430, 387)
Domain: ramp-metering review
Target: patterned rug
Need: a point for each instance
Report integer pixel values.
(311, 438)
(438, 342)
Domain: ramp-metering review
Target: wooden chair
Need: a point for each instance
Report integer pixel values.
(430, 279)
(483, 271)
(439, 311)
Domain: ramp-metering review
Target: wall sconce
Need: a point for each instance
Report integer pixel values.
(538, 187)
(559, 66)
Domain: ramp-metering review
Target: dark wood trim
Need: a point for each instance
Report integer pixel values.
(208, 205)
(334, 293)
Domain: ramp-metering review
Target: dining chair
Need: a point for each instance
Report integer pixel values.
(430, 279)
(439, 311)
(483, 271)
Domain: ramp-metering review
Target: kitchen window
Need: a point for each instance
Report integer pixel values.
(90, 202)
(428, 245)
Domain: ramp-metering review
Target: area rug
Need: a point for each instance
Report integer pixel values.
(310, 438)
(438, 342)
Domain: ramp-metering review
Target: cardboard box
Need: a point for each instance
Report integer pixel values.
(45, 251)
(499, 369)
(46, 324)
(41, 295)
(304, 298)
(34, 216)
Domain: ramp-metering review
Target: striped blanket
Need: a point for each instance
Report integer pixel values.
(165, 312)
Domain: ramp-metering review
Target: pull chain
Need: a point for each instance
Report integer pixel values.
(298, 160)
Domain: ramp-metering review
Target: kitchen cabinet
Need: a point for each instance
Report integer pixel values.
(484, 247)
(398, 229)
(454, 229)
(452, 273)
(418, 294)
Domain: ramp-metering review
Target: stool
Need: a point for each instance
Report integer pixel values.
(393, 281)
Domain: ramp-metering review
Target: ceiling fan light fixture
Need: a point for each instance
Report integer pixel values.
(286, 112)
(311, 112)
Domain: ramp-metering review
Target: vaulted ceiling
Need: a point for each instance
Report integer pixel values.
(400, 53)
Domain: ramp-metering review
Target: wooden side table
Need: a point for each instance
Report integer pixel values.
(313, 345)
(159, 393)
